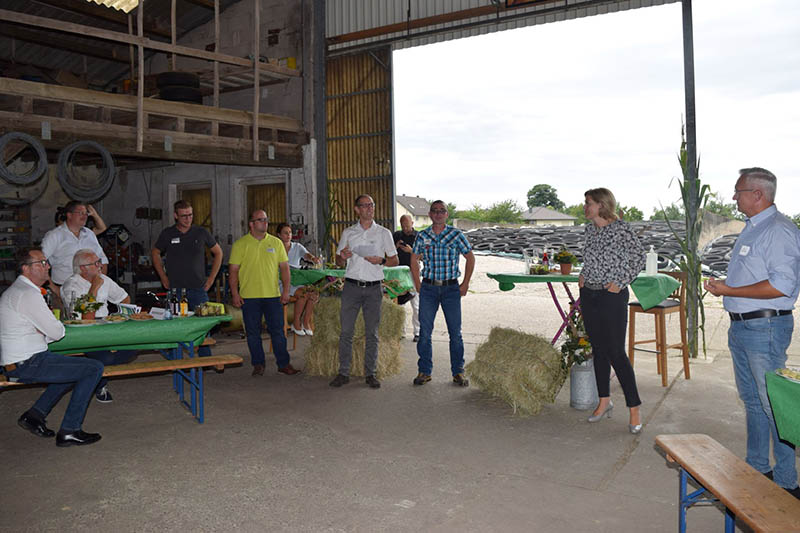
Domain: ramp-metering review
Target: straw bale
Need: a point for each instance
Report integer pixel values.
(521, 369)
(322, 356)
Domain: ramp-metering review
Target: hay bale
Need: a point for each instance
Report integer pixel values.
(322, 356)
(523, 370)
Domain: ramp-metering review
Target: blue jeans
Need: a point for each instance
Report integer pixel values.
(759, 346)
(430, 298)
(197, 297)
(62, 373)
(108, 358)
(272, 311)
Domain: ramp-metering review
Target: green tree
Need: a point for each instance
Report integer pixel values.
(717, 205)
(544, 195)
(451, 212)
(577, 212)
(796, 220)
(476, 212)
(506, 211)
(672, 212)
(631, 214)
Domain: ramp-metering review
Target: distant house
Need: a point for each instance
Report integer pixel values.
(414, 206)
(540, 216)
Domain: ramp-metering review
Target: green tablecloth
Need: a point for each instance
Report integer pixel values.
(649, 290)
(784, 395)
(136, 335)
(402, 274)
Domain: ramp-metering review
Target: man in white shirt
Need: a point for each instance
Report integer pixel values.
(88, 279)
(60, 243)
(26, 326)
(365, 248)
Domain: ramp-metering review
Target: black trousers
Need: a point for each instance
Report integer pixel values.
(605, 315)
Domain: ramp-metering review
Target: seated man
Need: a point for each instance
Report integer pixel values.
(26, 326)
(88, 279)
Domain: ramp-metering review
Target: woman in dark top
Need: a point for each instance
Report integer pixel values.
(612, 258)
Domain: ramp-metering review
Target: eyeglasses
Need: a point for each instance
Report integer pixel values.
(43, 262)
(438, 211)
(366, 206)
(190, 215)
(80, 213)
(263, 219)
(737, 191)
(96, 263)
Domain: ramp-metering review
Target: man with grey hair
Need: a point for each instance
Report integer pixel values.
(759, 294)
(88, 279)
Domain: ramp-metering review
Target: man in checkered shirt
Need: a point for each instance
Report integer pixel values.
(440, 247)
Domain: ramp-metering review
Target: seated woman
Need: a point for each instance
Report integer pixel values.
(304, 299)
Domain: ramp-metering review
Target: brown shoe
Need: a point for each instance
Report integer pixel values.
(461, 380)
(258, 370)
(289, 370)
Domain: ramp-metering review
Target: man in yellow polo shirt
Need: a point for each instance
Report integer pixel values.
(253, 270)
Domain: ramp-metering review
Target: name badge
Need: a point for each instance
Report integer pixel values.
(270, 250)
(744, 250)
(176, 240)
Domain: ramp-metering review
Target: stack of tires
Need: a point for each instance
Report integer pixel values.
(179, 87)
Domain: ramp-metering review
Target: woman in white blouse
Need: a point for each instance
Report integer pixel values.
(304, 299)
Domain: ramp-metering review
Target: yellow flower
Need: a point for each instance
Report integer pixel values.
(582, 342)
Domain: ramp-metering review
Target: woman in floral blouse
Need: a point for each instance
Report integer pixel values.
(612, 258)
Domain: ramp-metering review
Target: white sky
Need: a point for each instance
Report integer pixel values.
(597, 102)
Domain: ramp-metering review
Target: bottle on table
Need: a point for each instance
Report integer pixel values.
(167, 307)
(184, 305)
(173, 301)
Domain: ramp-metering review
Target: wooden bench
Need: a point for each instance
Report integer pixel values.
(195, 380)
(745, 492)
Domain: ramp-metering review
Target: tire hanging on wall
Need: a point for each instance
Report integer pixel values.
(70, 184)
(41, 154)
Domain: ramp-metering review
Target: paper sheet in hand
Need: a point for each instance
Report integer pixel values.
(365, 250)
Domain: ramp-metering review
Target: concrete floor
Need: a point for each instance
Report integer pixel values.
(281, 453)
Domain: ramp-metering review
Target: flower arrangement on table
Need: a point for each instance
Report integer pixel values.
(576, 348)
(86, 305)
(565, 257)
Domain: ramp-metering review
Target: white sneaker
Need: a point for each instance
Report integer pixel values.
(299, 332)
(308, 332)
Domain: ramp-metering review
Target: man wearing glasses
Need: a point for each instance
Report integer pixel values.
(440, 248)
(364, 248)
(60, 243)
(759, 294)
(185, 247)
(26, 326)
(256, 259)
(89, 279)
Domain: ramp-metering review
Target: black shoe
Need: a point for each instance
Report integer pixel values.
(421, 379)
(768, 475)
(76, 438)
(794, 492)
(373, 382)
(461, 380)
(103, 396)
(35, 426)
(416, 338)
(340, 380)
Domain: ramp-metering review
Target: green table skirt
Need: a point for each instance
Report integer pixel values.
(402, 275)
(784, 395)
(649, 290)
(136, 335)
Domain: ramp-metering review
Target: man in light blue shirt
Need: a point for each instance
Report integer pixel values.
(759, 295)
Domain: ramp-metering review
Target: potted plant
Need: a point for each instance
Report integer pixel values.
(86, 305)
(577, 359)
(566, 260)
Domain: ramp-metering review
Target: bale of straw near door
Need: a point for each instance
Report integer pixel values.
(322, 356)
(520, 369)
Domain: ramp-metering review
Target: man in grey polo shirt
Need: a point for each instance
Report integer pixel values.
(365, 247)
(759, 294)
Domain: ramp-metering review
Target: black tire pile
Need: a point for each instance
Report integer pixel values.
(533, 240)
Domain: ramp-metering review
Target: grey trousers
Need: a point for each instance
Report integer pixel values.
(354, 299)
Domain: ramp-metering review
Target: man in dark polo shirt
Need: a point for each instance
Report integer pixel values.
(404, 240)
(185, 247)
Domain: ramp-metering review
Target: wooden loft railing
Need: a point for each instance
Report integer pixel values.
(196, 133)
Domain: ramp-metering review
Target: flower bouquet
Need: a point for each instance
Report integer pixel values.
(576, 348)
(86, 305)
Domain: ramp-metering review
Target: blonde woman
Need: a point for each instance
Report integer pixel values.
(305, 300)
(612, 258)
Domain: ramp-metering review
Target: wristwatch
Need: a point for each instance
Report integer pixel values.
(383, 260)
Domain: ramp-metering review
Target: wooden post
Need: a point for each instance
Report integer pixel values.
(216, 63)
(173, 56)
(140, 99)
(256, 75)
(130, 48)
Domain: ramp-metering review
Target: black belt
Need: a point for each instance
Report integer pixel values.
(440, 282)
(761, 313)
(361, 283)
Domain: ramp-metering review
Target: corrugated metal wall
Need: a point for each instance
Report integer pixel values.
(359, 136)
(346, 16)
(271, 197)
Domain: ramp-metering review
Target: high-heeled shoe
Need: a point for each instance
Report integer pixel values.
(606, 412)
(635, 428)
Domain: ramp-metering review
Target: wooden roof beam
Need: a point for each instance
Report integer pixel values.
(48, 40)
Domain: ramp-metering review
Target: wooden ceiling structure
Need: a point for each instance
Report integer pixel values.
(100, 47)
